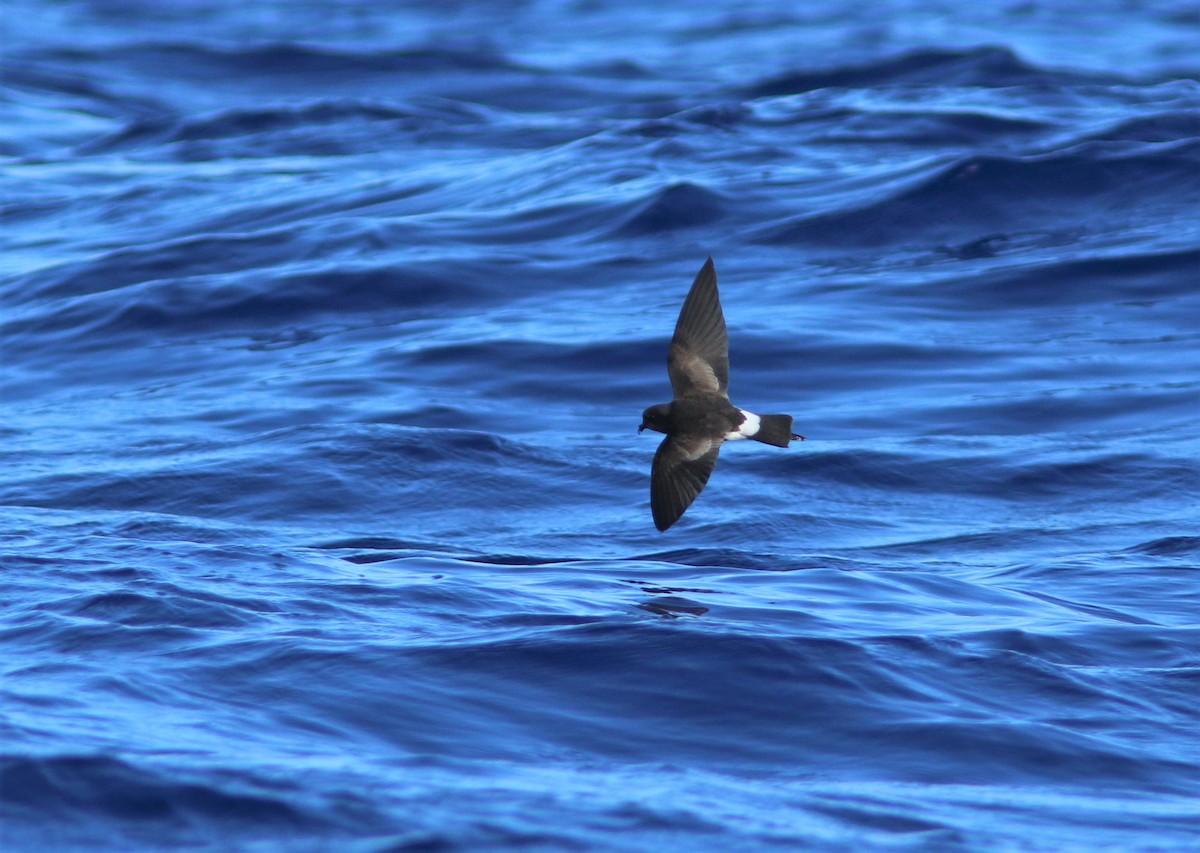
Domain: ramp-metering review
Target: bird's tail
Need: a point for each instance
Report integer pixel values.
(776, 430)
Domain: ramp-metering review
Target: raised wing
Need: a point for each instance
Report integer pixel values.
(682, 466)
(698, 361)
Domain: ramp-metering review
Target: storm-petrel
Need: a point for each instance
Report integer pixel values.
(700, 417)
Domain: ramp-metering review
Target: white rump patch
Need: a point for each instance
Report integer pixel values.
(748, 429)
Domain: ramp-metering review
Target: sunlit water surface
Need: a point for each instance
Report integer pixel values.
(326, 331)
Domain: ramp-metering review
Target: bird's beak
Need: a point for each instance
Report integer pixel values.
(640, 428)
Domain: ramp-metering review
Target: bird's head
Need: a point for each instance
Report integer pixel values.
(657, 418)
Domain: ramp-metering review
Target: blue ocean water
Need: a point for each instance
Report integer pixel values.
(326, 329)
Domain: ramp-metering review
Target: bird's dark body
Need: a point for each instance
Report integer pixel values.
(703, 414)
(701, 417)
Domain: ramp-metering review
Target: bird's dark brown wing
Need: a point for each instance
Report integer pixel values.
(682, 466)
(699, 358)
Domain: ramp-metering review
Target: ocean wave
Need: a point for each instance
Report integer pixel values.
(985, 198)
(325, 518)
(981, 66)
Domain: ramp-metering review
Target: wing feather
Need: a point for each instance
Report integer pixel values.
(698, 361)
(681, 469)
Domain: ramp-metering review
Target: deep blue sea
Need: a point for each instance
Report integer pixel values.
(326, 329)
